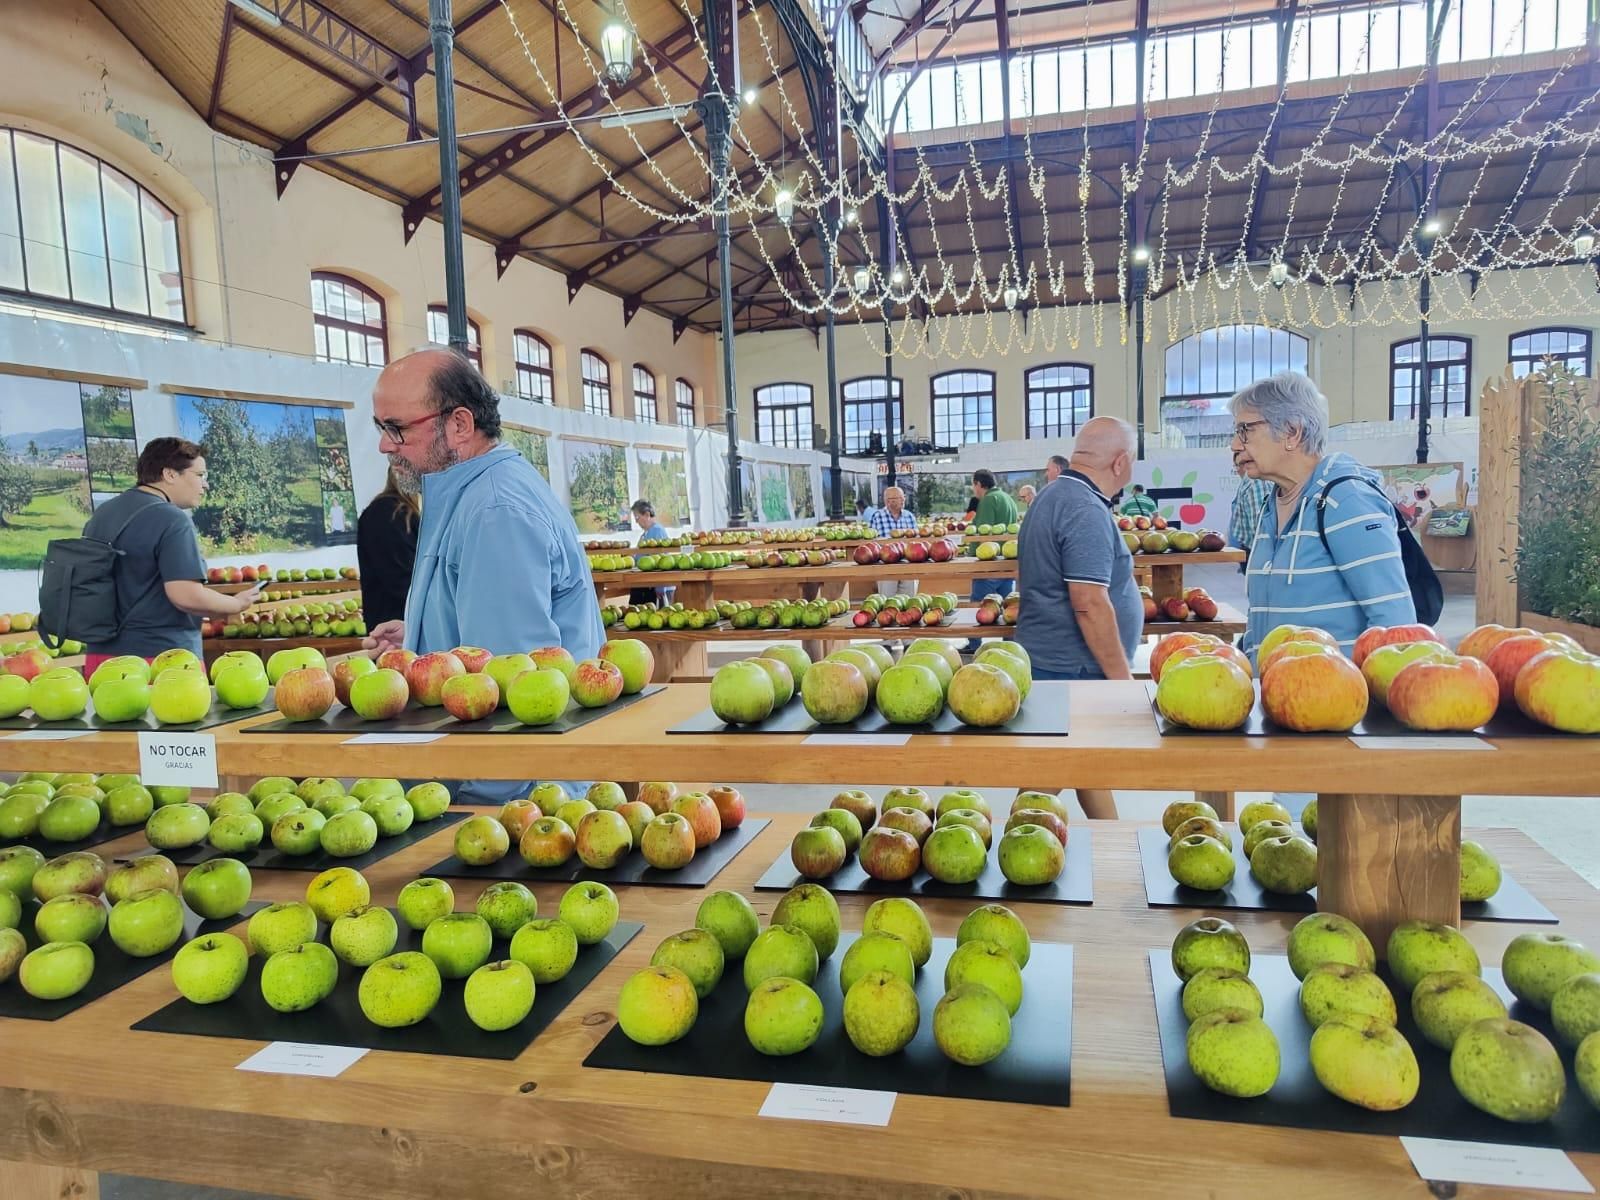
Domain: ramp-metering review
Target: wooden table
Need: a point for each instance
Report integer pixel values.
(86, 1094)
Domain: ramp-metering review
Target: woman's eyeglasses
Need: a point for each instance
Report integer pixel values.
(1243, 428)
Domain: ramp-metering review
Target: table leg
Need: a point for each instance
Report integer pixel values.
(1389, 858)
(675, 658)
(1221, 801)
(1166, 581)
(46, 1180)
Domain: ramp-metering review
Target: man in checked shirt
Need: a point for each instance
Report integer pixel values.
(891, 521)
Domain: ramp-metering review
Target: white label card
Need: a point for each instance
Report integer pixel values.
(1525, 1168)
(49, 735)
(1421, 743)
(843, 1106)
(303, 1058)
(178, 759)
(393, 739)
(858, 739)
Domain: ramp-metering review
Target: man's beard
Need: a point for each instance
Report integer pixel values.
(439, 457)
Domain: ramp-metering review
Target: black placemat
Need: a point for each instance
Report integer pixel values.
(415, 719)
(339, 1021)
(267, 857)
(1512, 902)
(1298, 1101)
(700, 870)
(1036, 1068)
(112, 968)
(1043, 714)
(220, 714)
(106, 832)
(1379, 722)
(1075, 884)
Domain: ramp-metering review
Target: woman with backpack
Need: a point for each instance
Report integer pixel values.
(1326, 551)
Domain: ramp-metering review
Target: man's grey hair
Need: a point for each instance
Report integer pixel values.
(1287, 401)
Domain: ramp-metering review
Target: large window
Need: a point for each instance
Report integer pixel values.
(644, 394)
(536, 376)
(866, 411)
(596, 383)
(348, 322)
(783, 415)
(1571, 348)
(963, 407)
(439, 333)
(683, 394)
(1449, 374)
(75, 228)
(1204, 370)
(1060, 399)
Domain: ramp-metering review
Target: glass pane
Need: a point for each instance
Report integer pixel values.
(121, 198)
(10, 223)
(1180, 65)
(319, 334)
(1299, 65)
(942, 97)
(1414, 35)
(41, 216)
(1124, 69)
(1097, 67)
(1046, 94)
(1323, 46)
(1072, 80)
(1571, 22)
(161, 259)
(86, 242)
(1236, 59)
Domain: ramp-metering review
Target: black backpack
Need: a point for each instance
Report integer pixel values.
(1427, 594)
(78, 588)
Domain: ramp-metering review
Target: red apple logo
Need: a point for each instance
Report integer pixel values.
(1192, 514)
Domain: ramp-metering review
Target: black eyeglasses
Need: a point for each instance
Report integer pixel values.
(1243, 428)
(395, 431)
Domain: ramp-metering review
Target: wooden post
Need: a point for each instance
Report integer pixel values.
(1221, 801)
(1388, 858)
(1502, 432)
(47, 1181)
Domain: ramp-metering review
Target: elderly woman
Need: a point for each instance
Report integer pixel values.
(1351, 578)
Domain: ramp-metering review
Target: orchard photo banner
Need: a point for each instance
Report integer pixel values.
(597, 485)
(805, 507)
(665, 483)
(532, 444)
(774, 483)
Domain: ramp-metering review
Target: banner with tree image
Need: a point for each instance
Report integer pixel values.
(774, 483)
(805, 507)
(664, 482)
(532, 444)
(597, 485)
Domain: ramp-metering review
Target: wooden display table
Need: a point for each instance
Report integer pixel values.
(86, 1094)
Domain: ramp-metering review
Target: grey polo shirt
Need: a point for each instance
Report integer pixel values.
(1070, 536)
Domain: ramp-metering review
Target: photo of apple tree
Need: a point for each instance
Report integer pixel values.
(774, 492)
(938, 495)
(597, 485)
(532, 444)
(664, 482)
(279, 474)
(800, 491)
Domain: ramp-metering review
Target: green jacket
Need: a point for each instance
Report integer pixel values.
(996, 508)
(1139, 506)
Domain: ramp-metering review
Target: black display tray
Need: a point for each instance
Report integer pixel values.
(700, 871)
(219, 715)
(1035, 1069)
(106, 832)
(267, 857)
(1075, 884)
(341, 720)
(1298, 1101)
(1512, 902)
(112, 968)
(1043, 714)
(1379, 722)
(339, 1021)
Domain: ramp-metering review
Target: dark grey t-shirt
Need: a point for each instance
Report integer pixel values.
(1069, 536)
(159, 545)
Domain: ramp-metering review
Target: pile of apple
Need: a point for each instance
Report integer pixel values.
(144, 918)
(1504, 1067)
(547, 826)
(659, 616)
(1195, 602)
(785, 614)
(783, 1015)
(398, 990)
(1200, 848)
(950, 840)
(995, 609)
(989, 551)
(780, 536)
(341, 618)
(468, 682)
(849, 532)
(723, 537)
(906, 612)
(172, 687)
(69, 807)
(11, 650)
(18, 622)
(265, 574)
(792, 558)
(889, 553)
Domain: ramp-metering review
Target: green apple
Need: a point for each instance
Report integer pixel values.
(1418, 948)
(18, 864)
(1574, 1007)
(390, 812)
(781, 950)
(458, 944)
(1260, 832)
(507, 906)
(332, 804)
(298, 833)
(954, 854)
(481, 840)
(782, 1016)
(284, 661)
(428, 801)
(962, 798)
(573, 812)
(1509, 1070)
(119, 700)
(1201, 862)
(547, 947)
(56, 970)
(423, 901)
(271, 785)
(697, 954)
(400, 990)
(10, 909)
(549, 797)
(58, 695)
(281, 927)
(317, 787)
(1285, 865)
(365, 789)
(1447, 1002)
(280, 804)
(337, 891)
(1234, 1052)
(69, 819)
(499, 995)
(989, 964)
(657, 1005)
(230, 804)
(19, 814)
(503, 668)
(900, 916)
(811, 907)
(123, 666)
(971, 1025)
(294, 980)
(881, 1013)
(1308, 819)
(174, 658)
(140, 875)
(1217, 988)
(179, 697)
(1031, 856)
(238, 834)
(1365, 1061)
(729, 918)
(909, 797)
(240, 687)
(1328, 937)
(78, 871)
(538, 697)
(1209, 942)
(1536, 964)
(165, 795)
(218, 888)
(177, 827)
(13, 947)
(364, 935)
(1333, 988)
(591, 910)
(846, 822)
(1262, 810)
(875, 952)
(146, 924)
(13, 695)
(606, 795)
(246, 659)
(209, 969)
(1585, 1064)
(1480, 873)
(72, 917)
(349, 834)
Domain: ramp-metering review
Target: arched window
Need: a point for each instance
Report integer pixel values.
(783, 415)
(348, 322)
(75, 228)
(1449, 376)
(684, 395)
(439, 333)
(1204, 370)
(1060, 399)
(866, 411)
(596, 383)
(1571, 348)
(963, 407)
(644, 394)
(536, 376)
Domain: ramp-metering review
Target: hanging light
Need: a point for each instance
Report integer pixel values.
(1010, 296)
(897, 276)
(1583, 245)
(1432, 227)
(1140, 254)
(1278, 273)
(851, 216)
(783, 205)
(616, 45)
(749, 95)
(861, 278)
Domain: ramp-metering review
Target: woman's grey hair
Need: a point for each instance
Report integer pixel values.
(1287, 401)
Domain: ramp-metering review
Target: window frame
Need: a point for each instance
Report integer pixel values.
(645, 414)
(1414, 367)
(1534, 361)
(521, 365)
(680, 386)
(596, 386)
(941, 437)
(848, 403)
(324, 320)
(1070, 429)
(474, 334)
(766, 407)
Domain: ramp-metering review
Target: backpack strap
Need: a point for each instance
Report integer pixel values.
(112, 542)
(1322, 506)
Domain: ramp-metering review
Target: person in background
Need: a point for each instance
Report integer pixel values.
(994, 508)
(971, 514)
(1025, 496)
(1081, 615)
(1249, 502)
(160, 574)
(894, 518)
(1138, 504)
(1355, 581)
(650, 529)
(386, 549)
(1052, 469)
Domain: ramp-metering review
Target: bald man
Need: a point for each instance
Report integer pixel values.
(1081, 615)
(891, 521)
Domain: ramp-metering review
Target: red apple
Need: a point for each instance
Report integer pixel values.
(917, 552)
(247, 575)
(1384, 663)
(889, 854)
(596, 682)
(942, 551)
(1284, 633)
(1380, 635)
(1125, 523)
(1175, 608)
(1204, 608)
(1220, 650)
(1508, 656)
(216, 575)
(470, 697)
(428, 674)
(1313, 692)
(28, 664)
(1173, 642)
(473, 658)
(866, 554)
(659, 796)
(730, 805)
(861, 618)
(345, 672)
(516, 816)
(1152, 610)
(888, 618)
(305, 694)
(891, 553)
(1293, 649)
(548, 842)
(1444, 693)
(1038, 816)
(1562, 690)
(701, 812)
(1484, 638)
(396, 660)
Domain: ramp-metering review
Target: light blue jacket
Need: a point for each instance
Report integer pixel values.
(499, 564)
(1292, 579)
